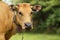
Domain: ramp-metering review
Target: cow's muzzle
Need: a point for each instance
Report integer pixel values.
(28, 26)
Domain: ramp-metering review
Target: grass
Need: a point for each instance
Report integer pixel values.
(32, 36)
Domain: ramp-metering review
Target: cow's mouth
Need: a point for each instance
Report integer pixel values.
(19, 28)
(28, 29)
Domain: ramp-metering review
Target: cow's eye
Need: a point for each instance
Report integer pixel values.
(31, 13)
(20, 13)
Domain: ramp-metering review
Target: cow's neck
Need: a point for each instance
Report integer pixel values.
(18, 26)
(14, 18)
(15, 21)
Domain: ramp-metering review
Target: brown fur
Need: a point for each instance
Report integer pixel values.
(6, 21)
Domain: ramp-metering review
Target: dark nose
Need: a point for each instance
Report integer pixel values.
(28, 25)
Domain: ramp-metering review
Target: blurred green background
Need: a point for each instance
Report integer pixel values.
(46, 22)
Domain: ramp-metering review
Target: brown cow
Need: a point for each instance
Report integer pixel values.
(7, 22)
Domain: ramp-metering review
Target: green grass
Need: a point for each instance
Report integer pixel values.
(31, 36)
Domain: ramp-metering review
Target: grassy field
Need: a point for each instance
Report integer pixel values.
(31, 36)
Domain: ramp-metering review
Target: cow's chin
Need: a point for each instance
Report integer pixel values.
(29, 29)
(26, 29)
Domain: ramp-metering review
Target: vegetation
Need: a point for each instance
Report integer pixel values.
(32, 36)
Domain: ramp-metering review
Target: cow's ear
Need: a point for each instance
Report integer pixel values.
(12, 7)
(36, 8)
(17, 6)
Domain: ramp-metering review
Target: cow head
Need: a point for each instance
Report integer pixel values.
(24, 14)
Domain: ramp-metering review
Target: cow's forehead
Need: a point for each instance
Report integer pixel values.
(25, 7)
(24, 4)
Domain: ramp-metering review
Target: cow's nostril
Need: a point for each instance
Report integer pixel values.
(27, 25)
